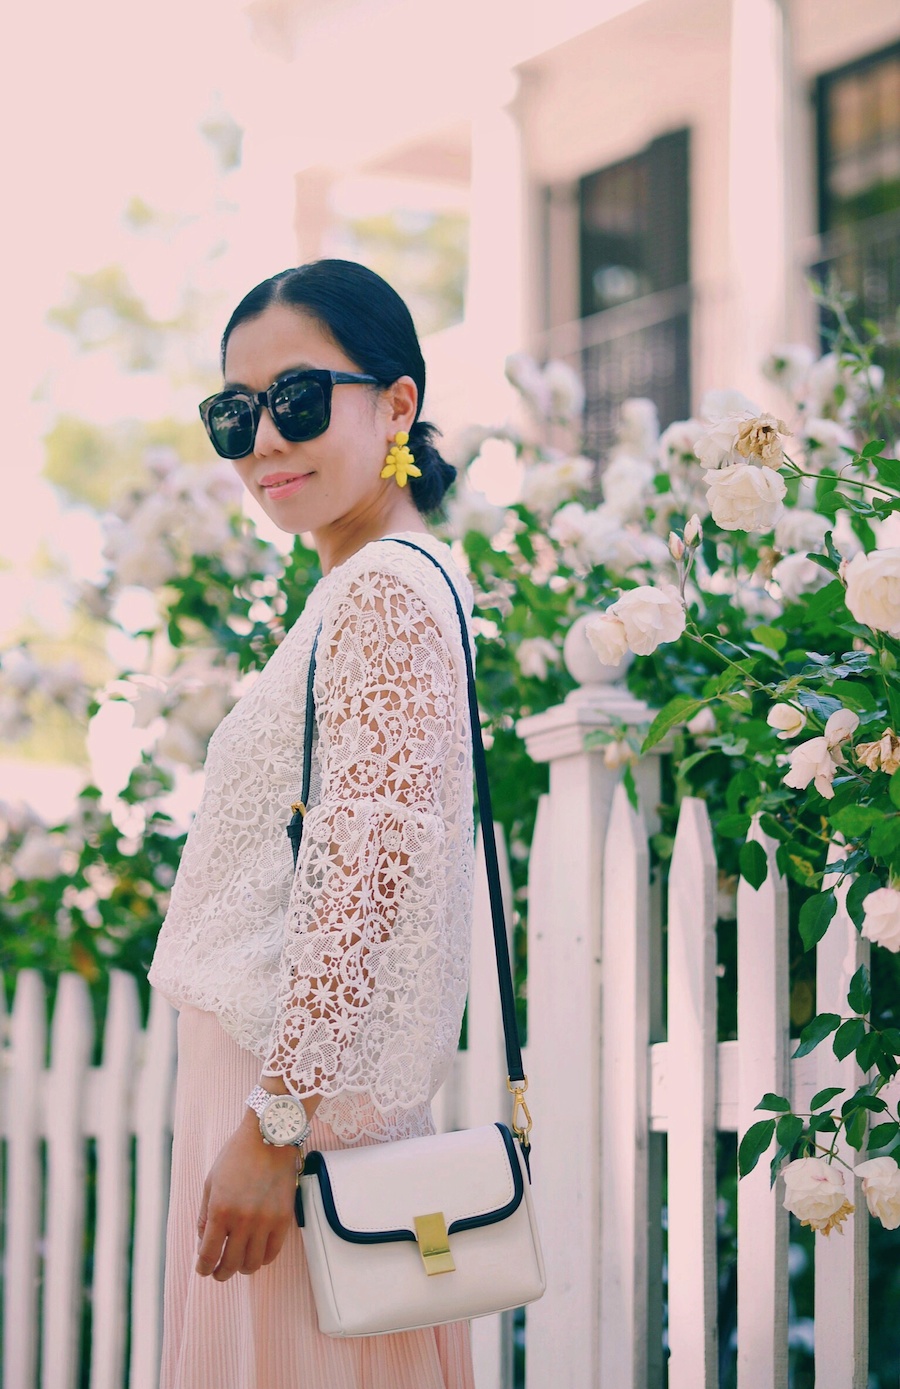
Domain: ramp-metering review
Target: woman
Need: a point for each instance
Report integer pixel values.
(342, 984)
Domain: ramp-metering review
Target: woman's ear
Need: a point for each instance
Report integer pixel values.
(403, 397)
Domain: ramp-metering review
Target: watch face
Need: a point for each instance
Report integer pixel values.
(284, 1119)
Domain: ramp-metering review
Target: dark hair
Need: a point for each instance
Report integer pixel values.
(369, 321)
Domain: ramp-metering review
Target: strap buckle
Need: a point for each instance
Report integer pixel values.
(298, 806)
(521, 1115)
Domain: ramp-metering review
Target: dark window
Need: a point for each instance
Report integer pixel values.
(634, 263)
(859, 140)
(858, 119)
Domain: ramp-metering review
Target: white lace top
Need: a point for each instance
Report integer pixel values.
(348, 978)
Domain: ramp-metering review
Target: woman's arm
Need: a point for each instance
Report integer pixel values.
(386, 702)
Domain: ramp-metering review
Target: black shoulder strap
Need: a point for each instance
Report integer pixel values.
(501, 946)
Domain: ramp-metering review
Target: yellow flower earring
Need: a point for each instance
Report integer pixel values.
(399, 462)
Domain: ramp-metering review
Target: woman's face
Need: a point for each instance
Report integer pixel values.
(333, 480)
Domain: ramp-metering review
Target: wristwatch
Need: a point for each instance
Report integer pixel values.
(282, 1118)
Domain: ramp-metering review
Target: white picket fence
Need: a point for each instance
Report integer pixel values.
(620, 1091)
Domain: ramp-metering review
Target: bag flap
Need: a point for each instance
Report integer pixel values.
(373, 1194)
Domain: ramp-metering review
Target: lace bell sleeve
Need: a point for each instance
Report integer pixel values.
(363, 965)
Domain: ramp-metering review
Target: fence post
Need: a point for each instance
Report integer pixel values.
(564, 1009)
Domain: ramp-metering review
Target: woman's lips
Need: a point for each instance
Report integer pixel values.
(283, 484)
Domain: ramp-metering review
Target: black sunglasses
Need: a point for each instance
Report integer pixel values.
(298, 401)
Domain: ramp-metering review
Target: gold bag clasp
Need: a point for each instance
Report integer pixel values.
(434, 1243)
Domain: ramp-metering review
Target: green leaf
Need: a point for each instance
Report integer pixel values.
(733, 826)
(815, 1031)
(855, 1128)
(823, 1096)
(848, 1037)
(873, 448)
(859, 890)
(859, 995)
(788, 1130)
(815, 917)
(868, 1053)
(678, 710)
(885, 837)
(753, 863)
(890, 1037)
(862, 1100)
(828, 600)
(822, 1123)
(854, 820)
(753, 1144)
(772, 1101)
(769, 636)
(894, 789)
(883, 1134)
(780, 1154)
(630, 788)
(888, 470)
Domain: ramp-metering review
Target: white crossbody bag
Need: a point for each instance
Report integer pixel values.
(438, 1228)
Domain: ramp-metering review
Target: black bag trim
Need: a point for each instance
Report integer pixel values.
(316, 1165)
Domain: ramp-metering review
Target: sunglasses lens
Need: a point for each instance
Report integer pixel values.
(231, 427)
(299, 408)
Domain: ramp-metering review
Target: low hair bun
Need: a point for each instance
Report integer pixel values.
(437, 474)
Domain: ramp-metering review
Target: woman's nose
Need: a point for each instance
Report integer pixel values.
(268, 440)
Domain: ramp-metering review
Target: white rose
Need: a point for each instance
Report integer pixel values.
(564, 390)
(788, 720)
(546, 485)
(881, 1185)
(801, 529)
(813, 761)
(469, 510)
(676, 444)
(20, 670)
(761, 438)
(676, 546)
(147, 696)
(535, 655)
(523, 372)
(823, 442)
(744, 497)
(881, 920)
(815, 1194)
(796, 575)
(570, 524)
(607, 541)
(840, 726)
(625, 483)
(650, 615)
(638, 428)
(693, 531)
(179, 744)
(607, 637)
(788, 365)
(39, 855)
(873, 589)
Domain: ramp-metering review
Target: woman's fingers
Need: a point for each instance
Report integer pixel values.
(254, 1253)
(210, 1251)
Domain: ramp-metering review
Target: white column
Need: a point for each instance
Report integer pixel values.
(760, 243)
(495, 299)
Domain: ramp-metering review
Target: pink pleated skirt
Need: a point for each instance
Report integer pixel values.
(259, 1330)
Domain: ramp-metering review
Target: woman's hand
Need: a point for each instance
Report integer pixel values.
(248, 1203)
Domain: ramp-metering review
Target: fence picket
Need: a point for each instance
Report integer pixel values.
(763, 1065)
(841, 1273)
(624, 1133)
(72, 1036)
(111, 1091)
(151, 1122)
(692, 1103)
(23, 1130)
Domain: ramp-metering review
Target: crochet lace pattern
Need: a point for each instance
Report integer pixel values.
(347, 977)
